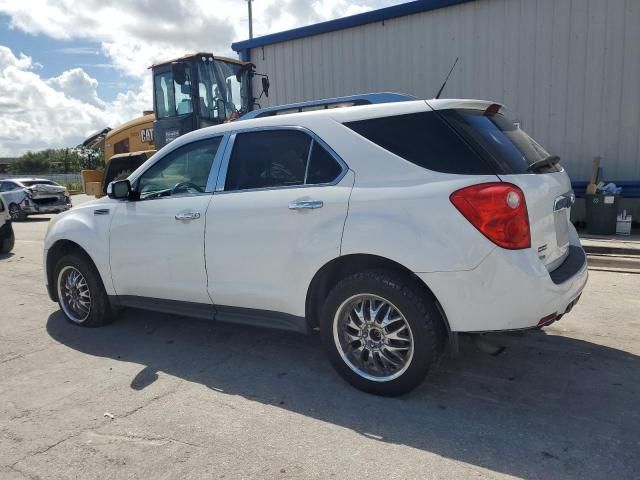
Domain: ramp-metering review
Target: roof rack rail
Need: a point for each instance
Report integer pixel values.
(348, 101)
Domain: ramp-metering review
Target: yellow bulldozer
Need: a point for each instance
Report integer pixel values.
(190, 92)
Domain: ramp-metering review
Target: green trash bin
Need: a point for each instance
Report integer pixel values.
(602, 213)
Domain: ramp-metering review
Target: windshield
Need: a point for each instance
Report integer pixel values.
(217, 83)
(507, 144)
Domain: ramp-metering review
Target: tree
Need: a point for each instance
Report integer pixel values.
(60, 160)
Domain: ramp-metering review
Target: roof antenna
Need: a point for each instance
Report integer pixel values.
(446, 79)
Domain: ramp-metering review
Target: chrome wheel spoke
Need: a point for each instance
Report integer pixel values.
(74, 294)
(373, 337)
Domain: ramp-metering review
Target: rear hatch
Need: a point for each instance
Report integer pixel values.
(48, 193)
(520, 160)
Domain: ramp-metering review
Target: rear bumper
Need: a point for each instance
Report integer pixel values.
(509, 290)
(32, 208)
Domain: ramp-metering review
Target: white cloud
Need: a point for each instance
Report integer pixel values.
(39, 113)
(75, 83)
(133, 35)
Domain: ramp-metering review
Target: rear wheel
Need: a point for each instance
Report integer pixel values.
(381, 333)
(16, 213)
(81, 294)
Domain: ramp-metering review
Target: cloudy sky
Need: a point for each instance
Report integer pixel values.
(69, 68)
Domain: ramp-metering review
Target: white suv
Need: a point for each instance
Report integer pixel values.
(387, 227)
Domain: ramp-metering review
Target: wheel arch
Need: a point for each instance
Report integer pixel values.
(338, 268)
(57, 251)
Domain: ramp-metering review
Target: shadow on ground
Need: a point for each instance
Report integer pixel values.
(549, 407)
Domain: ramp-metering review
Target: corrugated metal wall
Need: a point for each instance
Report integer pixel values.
(568, 70)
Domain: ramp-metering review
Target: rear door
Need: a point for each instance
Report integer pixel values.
(276, 217)
(547, 189)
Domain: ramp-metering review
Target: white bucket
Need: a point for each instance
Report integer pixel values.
(623, 224)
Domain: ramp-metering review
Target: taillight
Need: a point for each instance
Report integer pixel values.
(498, 210)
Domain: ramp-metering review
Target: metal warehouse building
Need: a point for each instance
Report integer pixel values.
(567, 70)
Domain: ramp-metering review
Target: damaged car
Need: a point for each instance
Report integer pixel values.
(7, 238)
(34, 196)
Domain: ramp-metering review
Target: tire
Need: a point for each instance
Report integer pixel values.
(8, 243)
(99, 311)
(16, 213)
(403, 299)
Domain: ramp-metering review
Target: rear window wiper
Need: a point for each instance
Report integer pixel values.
(549, 161)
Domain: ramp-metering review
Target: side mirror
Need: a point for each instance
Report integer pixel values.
(265, 86)
(179, 72)
(120, 189)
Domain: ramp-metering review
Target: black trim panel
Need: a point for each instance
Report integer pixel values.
(222, 313)
(261, 318)
(174, 307)
(574, 262)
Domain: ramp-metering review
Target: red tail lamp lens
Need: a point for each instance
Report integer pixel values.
(498, 210)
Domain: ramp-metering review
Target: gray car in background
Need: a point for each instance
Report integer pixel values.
(31, 196)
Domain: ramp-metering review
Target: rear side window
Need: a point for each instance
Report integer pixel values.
(507, 145)
(425, 140)
(278, 158)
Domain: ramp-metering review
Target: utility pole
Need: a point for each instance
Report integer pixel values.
(250, 19)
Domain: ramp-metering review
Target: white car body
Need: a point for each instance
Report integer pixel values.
(34, 196)
(387, 227)
(249, 258)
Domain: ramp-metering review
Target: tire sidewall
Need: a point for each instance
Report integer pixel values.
(20, 213)
(416, 310)
(8, 243)
(100, 308)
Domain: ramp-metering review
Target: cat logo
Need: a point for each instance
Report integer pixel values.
(146, 135)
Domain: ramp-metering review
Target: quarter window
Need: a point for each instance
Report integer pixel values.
(184, 171)
(323, 168)
(423, 139)
(278, 158)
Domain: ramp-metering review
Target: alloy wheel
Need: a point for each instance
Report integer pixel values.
(373, 337)
(74, 294)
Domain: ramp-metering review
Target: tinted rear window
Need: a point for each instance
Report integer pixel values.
(424, 139)
(507, 145)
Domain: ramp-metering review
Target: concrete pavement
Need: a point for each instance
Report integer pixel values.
(196, 399)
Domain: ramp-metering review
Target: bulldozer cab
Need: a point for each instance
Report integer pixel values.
(197, 91)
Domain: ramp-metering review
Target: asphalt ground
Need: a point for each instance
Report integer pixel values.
(159, 396)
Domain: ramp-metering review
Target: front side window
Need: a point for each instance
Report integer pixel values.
(184, 171)
(279, 158)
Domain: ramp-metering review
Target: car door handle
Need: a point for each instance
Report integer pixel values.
(309, 204)
(185, 216)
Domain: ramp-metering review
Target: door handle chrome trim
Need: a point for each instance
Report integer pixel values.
(308, 204)
(187, 216)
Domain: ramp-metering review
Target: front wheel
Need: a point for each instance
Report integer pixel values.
(81, 294)
(381, 333)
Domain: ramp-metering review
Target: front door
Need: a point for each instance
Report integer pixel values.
(157, 242)
(278, 219)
